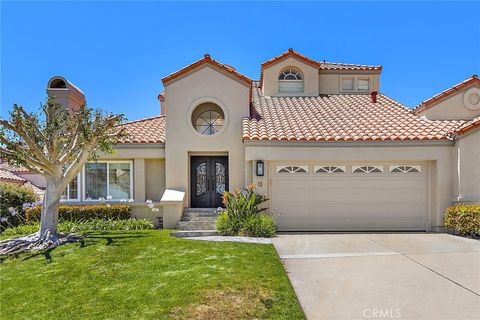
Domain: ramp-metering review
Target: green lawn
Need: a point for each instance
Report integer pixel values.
(147, 275)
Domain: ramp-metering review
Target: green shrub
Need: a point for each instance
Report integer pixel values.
(84, 212)
(82, 226)
(243, 215)
(463, 219)
(12, 198)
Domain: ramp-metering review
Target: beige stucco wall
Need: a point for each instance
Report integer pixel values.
(271, 73)
(467, 167)
(182, 96)
(439, 160)
(154, 179)
(452, 108)
(330, 83)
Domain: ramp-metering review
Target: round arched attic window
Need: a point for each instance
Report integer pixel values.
(58, 84)
(208, 118)
(290, 80)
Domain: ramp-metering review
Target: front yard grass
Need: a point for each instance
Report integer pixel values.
(147, 275)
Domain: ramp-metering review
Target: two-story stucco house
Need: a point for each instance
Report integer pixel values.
(329, 150)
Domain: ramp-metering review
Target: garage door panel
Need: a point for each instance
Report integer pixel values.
(350, 201)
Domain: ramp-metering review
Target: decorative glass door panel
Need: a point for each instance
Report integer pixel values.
(209, 180)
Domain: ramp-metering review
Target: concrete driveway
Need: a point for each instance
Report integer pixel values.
(383, 276)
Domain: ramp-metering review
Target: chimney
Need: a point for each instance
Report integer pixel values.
(161, 98)
(373, 96)
(65, 93)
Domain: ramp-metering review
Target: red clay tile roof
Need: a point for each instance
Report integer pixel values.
(348, 66)
(148, 130)
(290, 53)
(338, 118)
(10, 176)
(8, 167)
(446, 93)
(467, 126)
(207, 60)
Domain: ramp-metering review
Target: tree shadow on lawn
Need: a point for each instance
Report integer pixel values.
(88, 239)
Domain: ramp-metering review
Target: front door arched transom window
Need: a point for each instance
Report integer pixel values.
(208, 118)
(290, 80)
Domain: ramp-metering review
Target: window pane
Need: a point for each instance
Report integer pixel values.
(290, 86)
(119, 179)
(73, 189)
(363, 84)
(95, 180)
(347, 84)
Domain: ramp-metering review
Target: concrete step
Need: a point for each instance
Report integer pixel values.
(196, 225)
(201, 212)
(199, 218)
(194, 233)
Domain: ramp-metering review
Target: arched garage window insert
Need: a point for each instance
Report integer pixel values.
(330, 169)
(405, 169)
(292, 169)
(367, 169)
(290, 80)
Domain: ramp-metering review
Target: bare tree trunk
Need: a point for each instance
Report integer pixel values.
(51, 203)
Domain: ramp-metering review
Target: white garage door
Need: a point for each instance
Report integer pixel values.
(349, 197)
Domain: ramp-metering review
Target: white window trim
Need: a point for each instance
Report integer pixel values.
(343, 168)
(381, 168)
(415, 166)
(302, 80)
(108, 180)
(77, 199)
(292, 172)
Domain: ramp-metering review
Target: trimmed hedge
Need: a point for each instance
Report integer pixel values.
(12, 196)
(84, 212)
(85, 226)
(463, 219)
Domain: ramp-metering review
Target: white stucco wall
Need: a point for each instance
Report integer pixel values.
(467, 167)
(454, 107)
(182, 96)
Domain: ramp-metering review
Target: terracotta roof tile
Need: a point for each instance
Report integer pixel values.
(348, 66)
(148, 130)
(468, 125)
(207, 60)
(338, 118)
(7, 175)
(446, 93)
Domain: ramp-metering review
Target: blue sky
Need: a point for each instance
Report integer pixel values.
(117, 52)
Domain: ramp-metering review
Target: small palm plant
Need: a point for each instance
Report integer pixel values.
(243, 214)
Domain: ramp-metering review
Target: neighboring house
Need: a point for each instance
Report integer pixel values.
(328, 150)
(21, 176)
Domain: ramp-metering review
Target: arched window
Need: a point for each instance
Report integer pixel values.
(290, 80)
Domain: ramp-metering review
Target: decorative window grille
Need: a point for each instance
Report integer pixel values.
(405, 169)
(367, 169)
(292, 169)
(329, 169)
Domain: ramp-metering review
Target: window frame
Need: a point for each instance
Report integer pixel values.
(290, 69)
(347, 78)
(368, 82)
(78, 198)
(130, 162)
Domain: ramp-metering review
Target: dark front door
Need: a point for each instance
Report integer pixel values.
(209, 180)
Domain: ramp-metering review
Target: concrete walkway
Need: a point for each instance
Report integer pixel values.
(383, 276)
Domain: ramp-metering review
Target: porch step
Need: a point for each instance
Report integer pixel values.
(196, 225)
(194, 233)
(198, 219)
